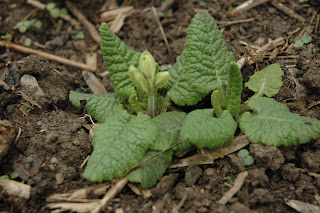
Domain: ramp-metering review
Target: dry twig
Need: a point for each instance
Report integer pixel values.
(161, 30)
(247, 6)
(150, 158)
(117, 23)
(82, 19)
(317, 24)
(227, 23)
(49, 56)
(110, 195)
(112, 14)
(92, 81)
(304, 207)
(238, 182)
(287, 11)
(198, 159)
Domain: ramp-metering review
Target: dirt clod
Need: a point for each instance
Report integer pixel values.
(311, 160)
(192, 174)
(267, 157)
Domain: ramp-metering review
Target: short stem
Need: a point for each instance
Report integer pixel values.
(151, 106)
(163, 104)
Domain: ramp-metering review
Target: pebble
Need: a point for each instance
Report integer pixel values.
(165, 184)
(52, 137)
(30, 85)
(59, 178)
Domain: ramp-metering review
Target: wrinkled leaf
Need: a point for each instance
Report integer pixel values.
(232, 100)
(267, 81)
(148, 173)
(179, 90)
(99, 106)
(206, 54)
(203, 130)
(274, 125)
(118, 57)
(169, 125)
(118, 145)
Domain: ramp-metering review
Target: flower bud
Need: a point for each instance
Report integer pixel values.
(161, 79)
(132, 71)
(138, 79)
(147, 65)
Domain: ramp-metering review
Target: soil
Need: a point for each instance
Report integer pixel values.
(54, 141)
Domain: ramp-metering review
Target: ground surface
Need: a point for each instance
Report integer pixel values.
(54, 142)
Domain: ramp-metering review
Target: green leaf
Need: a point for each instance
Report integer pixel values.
(99, 106)
(267, 81)
(51, 5)
(298, 44)
(179, 90)
(232, 100)
(169, 125)
(272, 124)
(119, 144)
(207, 55)
(55, 12)
(135, 104)
(306, 39)
(203, 130)
(118, 57)
(151, 171)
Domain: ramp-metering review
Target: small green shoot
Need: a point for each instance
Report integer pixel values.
(306, 39)
(6, 36)
(23, 26)
(230, 180)
(243, 153)
(11, 177)
(4, 177)
(60, 22)
(248, 160)
(29, 107)
(54, 11)
(79, 35)
(27, 42)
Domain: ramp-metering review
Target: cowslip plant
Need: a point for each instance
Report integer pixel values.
(135, 125)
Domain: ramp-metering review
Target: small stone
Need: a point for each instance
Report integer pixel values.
(52, 137)
(192, 174)
(239, 208)
(165, 184)
(209, 171)
(30, 84)
(59, 178)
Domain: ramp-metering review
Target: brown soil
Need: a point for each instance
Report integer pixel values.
(54, 142)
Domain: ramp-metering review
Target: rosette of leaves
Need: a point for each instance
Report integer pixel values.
(128, 133)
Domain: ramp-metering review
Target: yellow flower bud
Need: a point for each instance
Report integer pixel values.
(147, 65)
(161, 79)
(138, 79)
